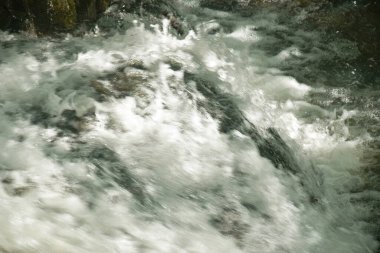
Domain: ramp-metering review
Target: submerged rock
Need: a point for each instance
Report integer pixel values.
(125, 82)
(269, 142)
(225, 5)
(229, 222)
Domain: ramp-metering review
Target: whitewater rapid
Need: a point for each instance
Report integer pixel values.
(141, 141)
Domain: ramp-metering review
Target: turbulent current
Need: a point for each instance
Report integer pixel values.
(232, 137)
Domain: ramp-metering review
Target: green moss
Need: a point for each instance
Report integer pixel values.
(63, 14)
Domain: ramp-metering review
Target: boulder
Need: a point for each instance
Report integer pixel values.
(62, 14)
(46, 16)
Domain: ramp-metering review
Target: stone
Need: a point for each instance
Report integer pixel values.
(62, 14)
(86, 10)
(102, 5)
(225, 5)
(47, 16)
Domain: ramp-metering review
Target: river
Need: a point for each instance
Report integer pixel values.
(241, 134)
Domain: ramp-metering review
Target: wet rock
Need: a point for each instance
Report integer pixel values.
(225, 5)
(240, 5)
(222, 106)
(46, 16)
(69, 121)
(230, 223)
(136, 63)
(123, 83)
(145, 7)
(17, 185)
(150, 12)
(49, 16)
(129, 82)
(269, 142)
(62, 14)
(101, 88)
(86, 10)
(102, 5)
(111, 170)
(174, 64)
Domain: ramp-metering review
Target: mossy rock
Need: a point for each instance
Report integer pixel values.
(13, 15)
(86, 10)
(63, 14)
(46, 16)
(5, 17)
(37, 12)
(102, 5)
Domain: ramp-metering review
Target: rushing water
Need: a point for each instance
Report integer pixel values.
(141, 141)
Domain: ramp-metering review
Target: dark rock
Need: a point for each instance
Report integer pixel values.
(16, 188)
(152, 12)
(86, 10)
(100, 88)
(225, 5)
(62, 14)
(124, 82)
(46, 16)
(270, 144)
(102, 5)
(230, 223)
(222, 106)
(113, 171)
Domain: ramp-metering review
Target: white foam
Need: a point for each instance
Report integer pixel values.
(245, 34)
(54, 197)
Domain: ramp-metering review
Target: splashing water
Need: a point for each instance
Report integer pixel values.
(143, 142)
